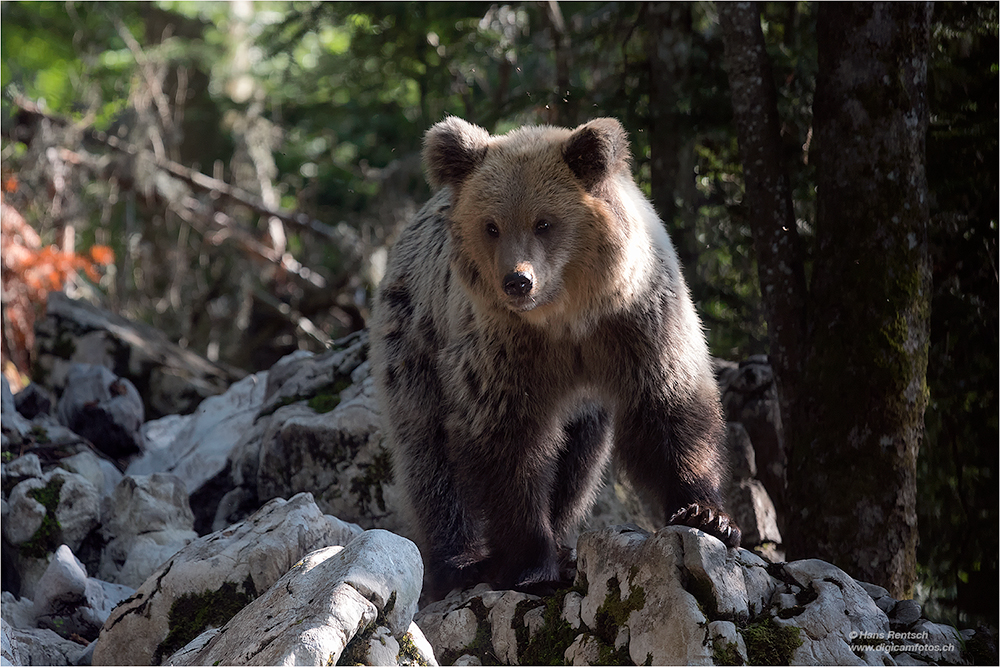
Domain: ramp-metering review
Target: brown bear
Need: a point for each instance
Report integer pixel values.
(532, 319)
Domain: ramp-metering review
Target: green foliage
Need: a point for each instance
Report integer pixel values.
(726, 655)
(769, 643)
(957, 470)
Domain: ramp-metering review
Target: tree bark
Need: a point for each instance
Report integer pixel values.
(849, 352)
(858, 430)
(768, 199)
(669, 27)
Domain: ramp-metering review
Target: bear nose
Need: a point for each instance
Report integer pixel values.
(517, 283)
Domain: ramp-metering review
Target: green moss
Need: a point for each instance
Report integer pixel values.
(409, 654)
(356, 651)
(40, 434)
(611, 616)
(769, 643)
(192, 613)
(549, 644)
(614, 612)
(330, 396)
(48, 537)
(323, 399)
(607, 654)
(726, 655)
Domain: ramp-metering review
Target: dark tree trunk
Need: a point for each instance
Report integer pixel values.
(768, 199)
(850, 352)
(671, 137)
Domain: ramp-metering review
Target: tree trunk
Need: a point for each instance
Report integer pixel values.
(768, 198)
(669, 27)
(850, 352)
(859, 427)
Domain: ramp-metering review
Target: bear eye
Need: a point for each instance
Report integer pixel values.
(542, 226)
(492, 229)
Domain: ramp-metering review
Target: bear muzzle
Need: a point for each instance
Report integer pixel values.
(518, 283)
(521, 289)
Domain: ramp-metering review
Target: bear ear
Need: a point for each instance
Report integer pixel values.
(452, 149)
(597, 150)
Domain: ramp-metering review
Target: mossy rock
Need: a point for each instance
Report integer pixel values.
(193, 613)
(48, 537)
(769, 643)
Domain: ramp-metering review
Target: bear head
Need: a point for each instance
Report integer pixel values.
(539, 217)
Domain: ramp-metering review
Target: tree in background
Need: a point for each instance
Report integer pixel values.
(850, 344)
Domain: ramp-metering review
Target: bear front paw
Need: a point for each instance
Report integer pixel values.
(709, 520)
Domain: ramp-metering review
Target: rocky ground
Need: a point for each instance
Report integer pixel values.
(160, 509)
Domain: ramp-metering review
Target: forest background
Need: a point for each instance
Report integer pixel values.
(232, 173)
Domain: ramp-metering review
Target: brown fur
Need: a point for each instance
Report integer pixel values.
(533, 317)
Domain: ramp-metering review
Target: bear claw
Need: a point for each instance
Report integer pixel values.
(710, 520)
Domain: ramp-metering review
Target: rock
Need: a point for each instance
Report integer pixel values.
(571, 609)
(10, 654)
(170, 379)
(100, 472)
(14, 425)
(619, 503)
(333, 601)
(502, 617)
(904, 614)
(318, 431)
(760, 585)
(340, 452)
(680, 597)
(59, 507)
(585, 650)
(18, 612)
(749, 396)
(25, 513)
(34, 646)
(743, 460)
(630, 582)
(33, 401)
(103, 408)
(196, 447)
(70, 603)
(149, 520)
(832, 610)
(20, 469)
(452, 631)
(727, 643)
(79, 508)
(187, 654)
(941, 644)
(875, 592)
(751, 507)
(222, 571)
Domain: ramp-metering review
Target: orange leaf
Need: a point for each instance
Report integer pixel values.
(102, 254)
